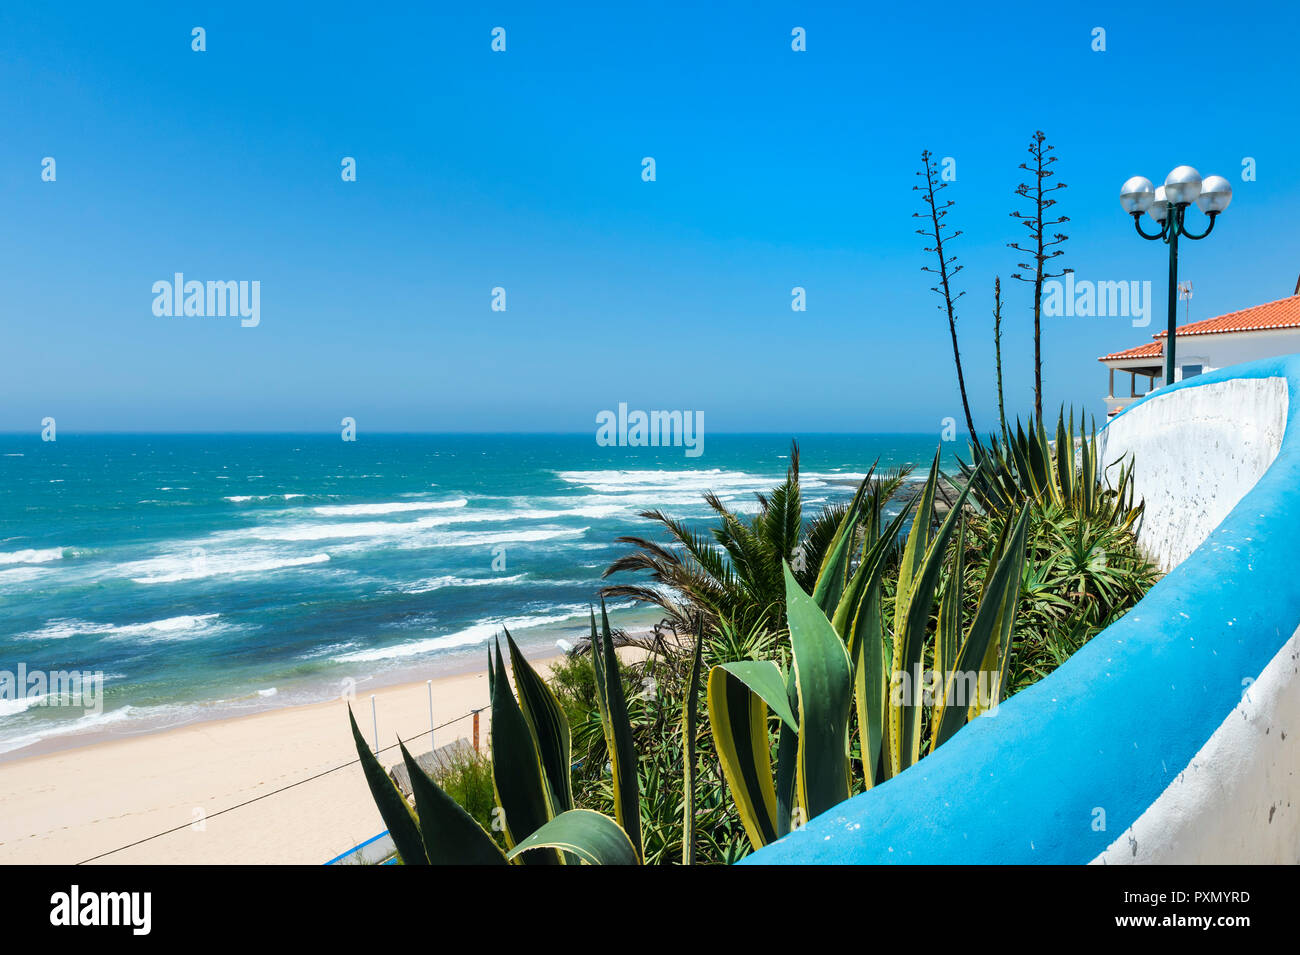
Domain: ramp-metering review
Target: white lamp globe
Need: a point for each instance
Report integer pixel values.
(1159, 207)
(1183, 185)
(1136, 195)
(1216, 193)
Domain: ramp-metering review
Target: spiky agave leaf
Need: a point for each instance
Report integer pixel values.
(738, 695)
(618, 731)
(824, 681)
(517, 773)
(393, 807)
(549, 725)
(594, 838)
(450, 835)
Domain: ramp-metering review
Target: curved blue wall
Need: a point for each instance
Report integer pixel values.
(1114, 725)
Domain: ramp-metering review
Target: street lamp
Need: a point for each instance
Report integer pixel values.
(1167, 205)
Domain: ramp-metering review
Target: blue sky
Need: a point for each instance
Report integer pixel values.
(522, 170)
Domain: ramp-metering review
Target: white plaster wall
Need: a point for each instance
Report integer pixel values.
(1198, 450)
(1220, 351)
(1236, 802)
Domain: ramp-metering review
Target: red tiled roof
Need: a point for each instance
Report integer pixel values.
(1284, 313)
(1149, 350)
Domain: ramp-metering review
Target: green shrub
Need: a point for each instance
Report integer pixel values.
(468, 779)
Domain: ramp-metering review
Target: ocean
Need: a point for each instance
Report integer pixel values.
(206, 576)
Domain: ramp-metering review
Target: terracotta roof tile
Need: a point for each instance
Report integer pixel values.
(1149, 350)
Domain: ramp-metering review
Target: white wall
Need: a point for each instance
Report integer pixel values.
(1237, 802)
(1198, 451)
(1220, 351)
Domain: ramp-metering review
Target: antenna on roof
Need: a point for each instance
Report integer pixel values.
(1185, 295)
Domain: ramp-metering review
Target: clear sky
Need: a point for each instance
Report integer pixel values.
(522, 169)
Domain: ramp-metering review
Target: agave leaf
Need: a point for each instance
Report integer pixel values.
(393, 807)
(859, 617)
(1027, 484)
(787, 759)
(1064, 458)
(764, 678)
(867, 652)
(549, 725)
(592, 837)
(738, 719)
(992, 625)
(871, 564)
(834, 570)
(905, 714)
(905, 644)
(517, 773)
(1089, 475)
(689, 711)
(1040, 456)
(618, 737)
(451, 835)
(948, 636)
(918, 539)
(825, 683)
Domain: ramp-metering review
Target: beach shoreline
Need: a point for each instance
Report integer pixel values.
(310, 693)
(276, 786)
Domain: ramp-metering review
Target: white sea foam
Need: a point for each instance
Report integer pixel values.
(417, 533)
(392, 507)
(619, 482)
(487, 539)
(84, 724)
(32, 556)
(182, 627)
(437, 583)
(476, 633)
(21, 574)
(172, 568)
(694, 482)
(13, 707)
(245, 498)
(320, 532)
(63, 628)
(392, 529)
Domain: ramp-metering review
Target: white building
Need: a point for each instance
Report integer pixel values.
(1258, 332)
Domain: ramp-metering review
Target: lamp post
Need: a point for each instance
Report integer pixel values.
(1167, 205)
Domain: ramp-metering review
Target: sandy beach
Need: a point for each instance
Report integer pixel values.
(108, 801)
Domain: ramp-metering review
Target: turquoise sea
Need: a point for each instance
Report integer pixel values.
(208, 575)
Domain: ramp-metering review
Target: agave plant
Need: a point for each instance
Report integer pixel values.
(531, 764)
(732, 576)
(1028, 467)
(843, 660)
